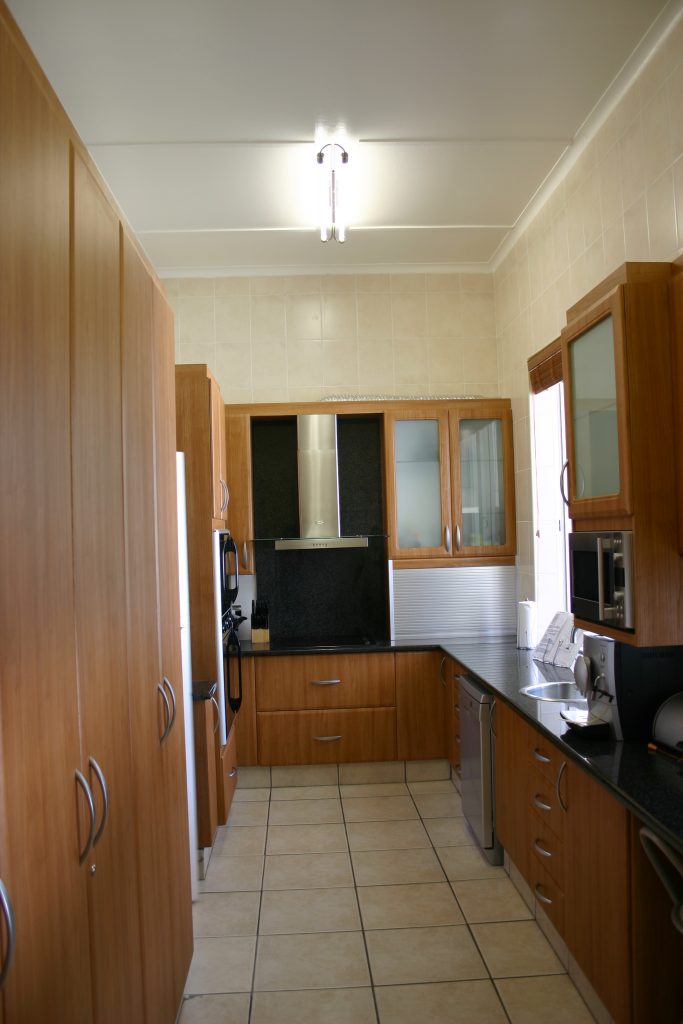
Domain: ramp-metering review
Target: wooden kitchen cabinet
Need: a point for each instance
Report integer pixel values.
(449, 670)
(240, 515)
(450, 481)
(205, 728)
(513, 739)
(226, 775)
(318, 681)
(421, 706)
(327, 737)
(219, 487)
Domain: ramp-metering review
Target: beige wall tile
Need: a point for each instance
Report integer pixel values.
(410, 366)
(476, 283)
(376, 365)
(339, 316)
(661, 217)
(444, 358)
(267, 285)
(480, 359)
(233, 317)
(304, 363)
(230, 286)
(269, 362)
(374, 316)
(267, 395)
(407, 282)
(632, 163)
(372, 283)
(340, 363)
(301, 284)
(268, 318)
(232, 365)
(195, 318)
(656, 136)
(193, 352)
(303, 317)
(635, 231)
(194, 286)
(338, 283)
(678, 196)
(445, 313)
(674, 90)
(409, 315)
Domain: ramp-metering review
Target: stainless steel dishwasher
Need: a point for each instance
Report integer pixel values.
(477, 766)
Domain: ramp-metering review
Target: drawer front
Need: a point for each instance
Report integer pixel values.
(544, 756)
(205, 771)
(227, 777)
(547, 849)
(542, 801)
(326, 737)
(549, 894)
(309, 682)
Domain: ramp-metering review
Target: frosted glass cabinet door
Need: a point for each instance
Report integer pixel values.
(483, 498)
(421, 486)
(595, 471)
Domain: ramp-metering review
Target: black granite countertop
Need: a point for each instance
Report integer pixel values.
(649, 784)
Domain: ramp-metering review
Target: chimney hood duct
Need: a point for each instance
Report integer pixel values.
(318, 467)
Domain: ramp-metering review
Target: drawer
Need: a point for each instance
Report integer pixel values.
(543, 802)
(226, 764)
(547, 849)
(317, 681)
(326, 737)
(205, 762)
(548, 893)
(545, 756)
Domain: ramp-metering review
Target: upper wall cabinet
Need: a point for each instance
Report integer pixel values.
(219, 484)
(450, 481)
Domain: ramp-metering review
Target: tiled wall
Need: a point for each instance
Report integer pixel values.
(293, 339)
(622, 200)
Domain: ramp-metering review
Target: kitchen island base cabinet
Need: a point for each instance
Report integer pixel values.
(326, 737)
(421, 706)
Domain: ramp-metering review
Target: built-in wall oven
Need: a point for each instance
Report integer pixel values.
(228, 653)
(601, 573)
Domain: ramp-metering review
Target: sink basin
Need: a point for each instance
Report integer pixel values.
(566, 692)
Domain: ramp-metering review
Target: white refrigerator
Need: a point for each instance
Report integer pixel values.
(184, 582)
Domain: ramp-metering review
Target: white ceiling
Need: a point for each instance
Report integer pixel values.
(202, 116)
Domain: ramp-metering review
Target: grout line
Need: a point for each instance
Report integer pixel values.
(258, 918)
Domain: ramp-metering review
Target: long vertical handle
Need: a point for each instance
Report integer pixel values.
(447, 538)
(8, 914)
(669, 869)
(601, 579)
(218, 715)
(82, 782)
(245, 555)
(560, 772)
(562, 491)
(167, 683)
(457, 537)
(167, 727)
(105, 799)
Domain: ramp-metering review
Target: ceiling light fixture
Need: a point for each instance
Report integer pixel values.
(332, 209)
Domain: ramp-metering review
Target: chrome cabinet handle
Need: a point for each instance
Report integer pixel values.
(8, 914)
(457, 538)
(441, 675)
(82, 782)
(492, 720)
(226, 495)
(167, 683)
(218, 715)
(447, 538)
(245, 555)
(167, 727)
(105, 799)
(325, 682)
(233, 772)
(540, 804)
(541, 757)
(539, 894)
(562, 490)
(327, 739)
(560, 772)
(541, 849)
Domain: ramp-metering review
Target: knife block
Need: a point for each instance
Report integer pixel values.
(260, 636)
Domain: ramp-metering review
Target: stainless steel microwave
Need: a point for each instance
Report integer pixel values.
(601, 575)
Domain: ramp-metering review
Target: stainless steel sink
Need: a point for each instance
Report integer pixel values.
(566, 692)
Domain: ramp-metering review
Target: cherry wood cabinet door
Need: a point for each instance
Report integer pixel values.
(217, 415)
(49, 979)
(598, 910)
(421, 706)
(240, 515)
(174, 792)
(100, 592)
(513, 741)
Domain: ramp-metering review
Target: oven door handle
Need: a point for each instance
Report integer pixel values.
(233, 640)
(601, 579)
(230, 548)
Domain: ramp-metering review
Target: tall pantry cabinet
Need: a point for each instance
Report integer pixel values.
(93, 807)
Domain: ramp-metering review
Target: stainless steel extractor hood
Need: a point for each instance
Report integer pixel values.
(318, 469)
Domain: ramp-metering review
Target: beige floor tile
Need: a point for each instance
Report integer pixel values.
(249, 813)
(379, 808)
(452, 1002)
(221, 965)
(247, 841)
(233, 874)
(230, 913)
(315, 910)
(308, 871)
(305, 775)
(439, 805)
(305, 812)
(334, 1006)
(333, 960)
(460, 862)
(449, 832)
(305, 793)
(387, 835)
(372, 772)
(408, 956)
(408, 906)
(538, 1000)
(251, 796)
(253, 777)
(233, 1009)
(490, 899)
(516, 949)
(427, 771)
(306, 839)
(431, 788)
(394, 867)
(375, 789)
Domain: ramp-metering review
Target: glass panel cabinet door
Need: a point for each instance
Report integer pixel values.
(483, 496)
(419, 514)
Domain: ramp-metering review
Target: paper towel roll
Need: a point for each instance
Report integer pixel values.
(526, 624)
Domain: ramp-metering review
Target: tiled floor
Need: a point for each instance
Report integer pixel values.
(359, 904)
